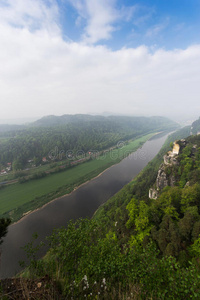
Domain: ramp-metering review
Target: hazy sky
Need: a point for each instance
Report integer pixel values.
(91, 56)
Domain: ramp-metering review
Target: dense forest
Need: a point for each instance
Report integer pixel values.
(69, 134)
(134, 247)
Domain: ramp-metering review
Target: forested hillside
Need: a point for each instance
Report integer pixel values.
(195, 128)
(71, 133)
(171, 220)
(135, 247)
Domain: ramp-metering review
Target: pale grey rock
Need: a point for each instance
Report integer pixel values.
(153, 193)
(161, 180)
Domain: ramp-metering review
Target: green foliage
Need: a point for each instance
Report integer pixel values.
(186, 224)
(195, 248)
(135, 247)
(169, 201)
(132, 208)
(19, 198)
(4, 223)
(139, 220)
(124, 206)
(196, 126)
(172, 220)
(17, 164)
(190, 196)
(87, 260)
(57, 135)
(34, 266)
(189, 162)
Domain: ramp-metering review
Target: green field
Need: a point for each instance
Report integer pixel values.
(18, 198)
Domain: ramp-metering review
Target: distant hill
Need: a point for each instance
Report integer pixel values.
(65, 119)
(80, 118)
(72, 132)
(136, 123)
(195, 128)
(52, 121)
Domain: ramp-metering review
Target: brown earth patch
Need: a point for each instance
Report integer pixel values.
(29, 289)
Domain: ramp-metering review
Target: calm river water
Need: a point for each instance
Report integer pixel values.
(83, 202)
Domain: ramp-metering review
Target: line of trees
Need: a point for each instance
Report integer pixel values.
(37, 142)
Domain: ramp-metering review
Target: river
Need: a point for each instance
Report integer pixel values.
(82, 202)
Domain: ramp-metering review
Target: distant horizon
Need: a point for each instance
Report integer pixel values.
(129, 58)
(24, 121)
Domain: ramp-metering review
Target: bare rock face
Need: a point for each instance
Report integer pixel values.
(161, 180)
(176, 148)
(170, 158)
(153, 193)
(167, 159)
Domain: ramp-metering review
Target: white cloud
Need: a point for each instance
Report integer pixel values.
(29, 14)
(100, 17)
(42, 74)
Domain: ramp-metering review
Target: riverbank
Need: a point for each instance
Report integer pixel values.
(82, 203)
(18, 199)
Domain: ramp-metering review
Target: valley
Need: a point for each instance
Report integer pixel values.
(40, 170)
(81, 203)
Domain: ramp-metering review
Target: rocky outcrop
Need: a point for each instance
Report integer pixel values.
(163, 179)
(170, 159)
(153, 193)
(176, 148)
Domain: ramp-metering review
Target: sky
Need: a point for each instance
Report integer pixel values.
(99, 56)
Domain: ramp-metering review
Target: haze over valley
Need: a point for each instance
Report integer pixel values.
(90, 57)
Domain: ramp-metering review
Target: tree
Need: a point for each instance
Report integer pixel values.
(186, 224)
(17, 164)
(190, 196)
(132, 208)
(4, 223)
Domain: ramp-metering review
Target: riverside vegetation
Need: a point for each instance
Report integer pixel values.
(73, 137)
(29, 194)
(71, 133)
(133, 247)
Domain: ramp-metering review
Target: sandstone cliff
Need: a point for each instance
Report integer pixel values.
(165, 177)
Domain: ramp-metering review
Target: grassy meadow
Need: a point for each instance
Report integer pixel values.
(16, 199)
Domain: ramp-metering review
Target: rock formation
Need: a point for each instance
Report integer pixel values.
(163, 179)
